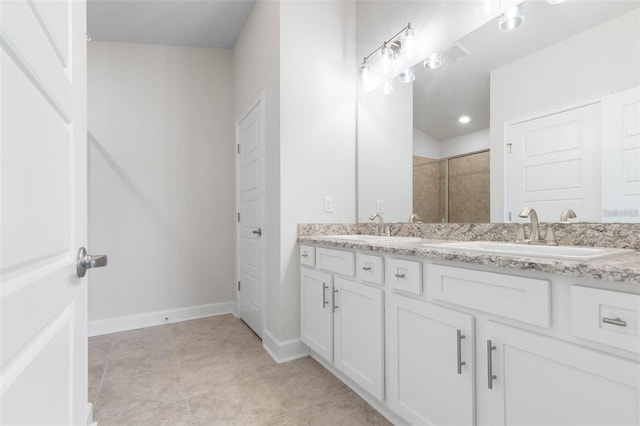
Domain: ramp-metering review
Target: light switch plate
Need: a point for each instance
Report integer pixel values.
(328, 204)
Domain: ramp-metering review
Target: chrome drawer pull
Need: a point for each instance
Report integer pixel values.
(490, 376)
(400, 275)
(460, 361)
(325, 302)
(614, 321)
(304, 255)
(366, 268)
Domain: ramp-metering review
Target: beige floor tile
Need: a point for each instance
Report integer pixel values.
(213, 371)
(151, 414)
(141, 363)
(96, 373)
(135, 394)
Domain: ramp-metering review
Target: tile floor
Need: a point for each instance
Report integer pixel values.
(212, 371)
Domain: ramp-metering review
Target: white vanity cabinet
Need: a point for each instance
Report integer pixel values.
(539, 380)
(358, 338)
(430, 362)
(316, 311)
(440, 342)
(342, 319)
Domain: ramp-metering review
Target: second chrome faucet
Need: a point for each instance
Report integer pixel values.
(534, 235)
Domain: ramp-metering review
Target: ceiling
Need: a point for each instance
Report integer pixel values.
(198, 23)
(441, 96)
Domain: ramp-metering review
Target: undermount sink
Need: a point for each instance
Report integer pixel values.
(554, 252)
(373, 238)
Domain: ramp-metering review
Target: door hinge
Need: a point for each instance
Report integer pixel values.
(509, 148)
(238, 285)
(238, 216)
(238, 148)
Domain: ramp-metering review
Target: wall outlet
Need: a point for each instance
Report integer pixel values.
(380, 206)
(328, 204)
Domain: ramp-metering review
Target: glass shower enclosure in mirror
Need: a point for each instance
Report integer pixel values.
(554, 105)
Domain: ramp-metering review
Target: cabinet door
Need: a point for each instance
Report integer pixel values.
(543, 381)
(316, 312)
(430, 365)
(358, 332)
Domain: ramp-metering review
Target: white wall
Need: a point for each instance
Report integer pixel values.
(385, 153)
(301, 56)
(471, 142)
(317, 130)
(424, 145)
(161, 159)
(586, 66)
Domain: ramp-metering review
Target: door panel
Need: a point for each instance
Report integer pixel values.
(554, 164)
(621, 156)
(250, 208)
(43, 221)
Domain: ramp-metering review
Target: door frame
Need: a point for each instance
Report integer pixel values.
(260, 104)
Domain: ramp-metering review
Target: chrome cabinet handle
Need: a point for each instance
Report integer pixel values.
(490, 376)
(257, 232)
(614, 321)
(366, 268)
(335, 291)
(86, 261)
(399, 275)
(304, 255)
(460, 361)
(325, 302)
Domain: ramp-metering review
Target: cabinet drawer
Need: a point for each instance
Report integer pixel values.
(338, 261)
(405, 275)
(307, 255)
(369, 268)
(509, 296)
(607, 317)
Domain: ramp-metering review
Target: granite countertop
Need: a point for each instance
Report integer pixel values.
(623, 268)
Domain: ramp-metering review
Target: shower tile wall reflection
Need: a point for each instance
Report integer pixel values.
(468, 189)
(429, 181)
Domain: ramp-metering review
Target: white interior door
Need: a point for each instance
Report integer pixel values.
(554, 164)
(43, 353)
(621, 157)
(249, 196)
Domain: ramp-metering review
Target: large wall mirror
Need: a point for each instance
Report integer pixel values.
(553, 108)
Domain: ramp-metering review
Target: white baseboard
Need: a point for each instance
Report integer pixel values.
(149, 319)
(284, 351)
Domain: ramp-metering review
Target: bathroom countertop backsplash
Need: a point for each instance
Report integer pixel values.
(625, 268)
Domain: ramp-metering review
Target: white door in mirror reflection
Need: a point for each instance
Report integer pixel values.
(554, 164)
(621, 157)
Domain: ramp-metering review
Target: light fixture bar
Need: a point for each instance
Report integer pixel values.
(387, 42)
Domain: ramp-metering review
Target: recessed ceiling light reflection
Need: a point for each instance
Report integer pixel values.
(464, 119)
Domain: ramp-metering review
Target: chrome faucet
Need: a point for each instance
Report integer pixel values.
(380, 223)
(415, 219)
(534, 235)
(567, 214)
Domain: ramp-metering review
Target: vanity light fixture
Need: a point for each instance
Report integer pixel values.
(464, 119)
(391, 49)
(387, 87)
(407, 76)
(409, 42)
(433, 61)
(555, 1)
(512, 18)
